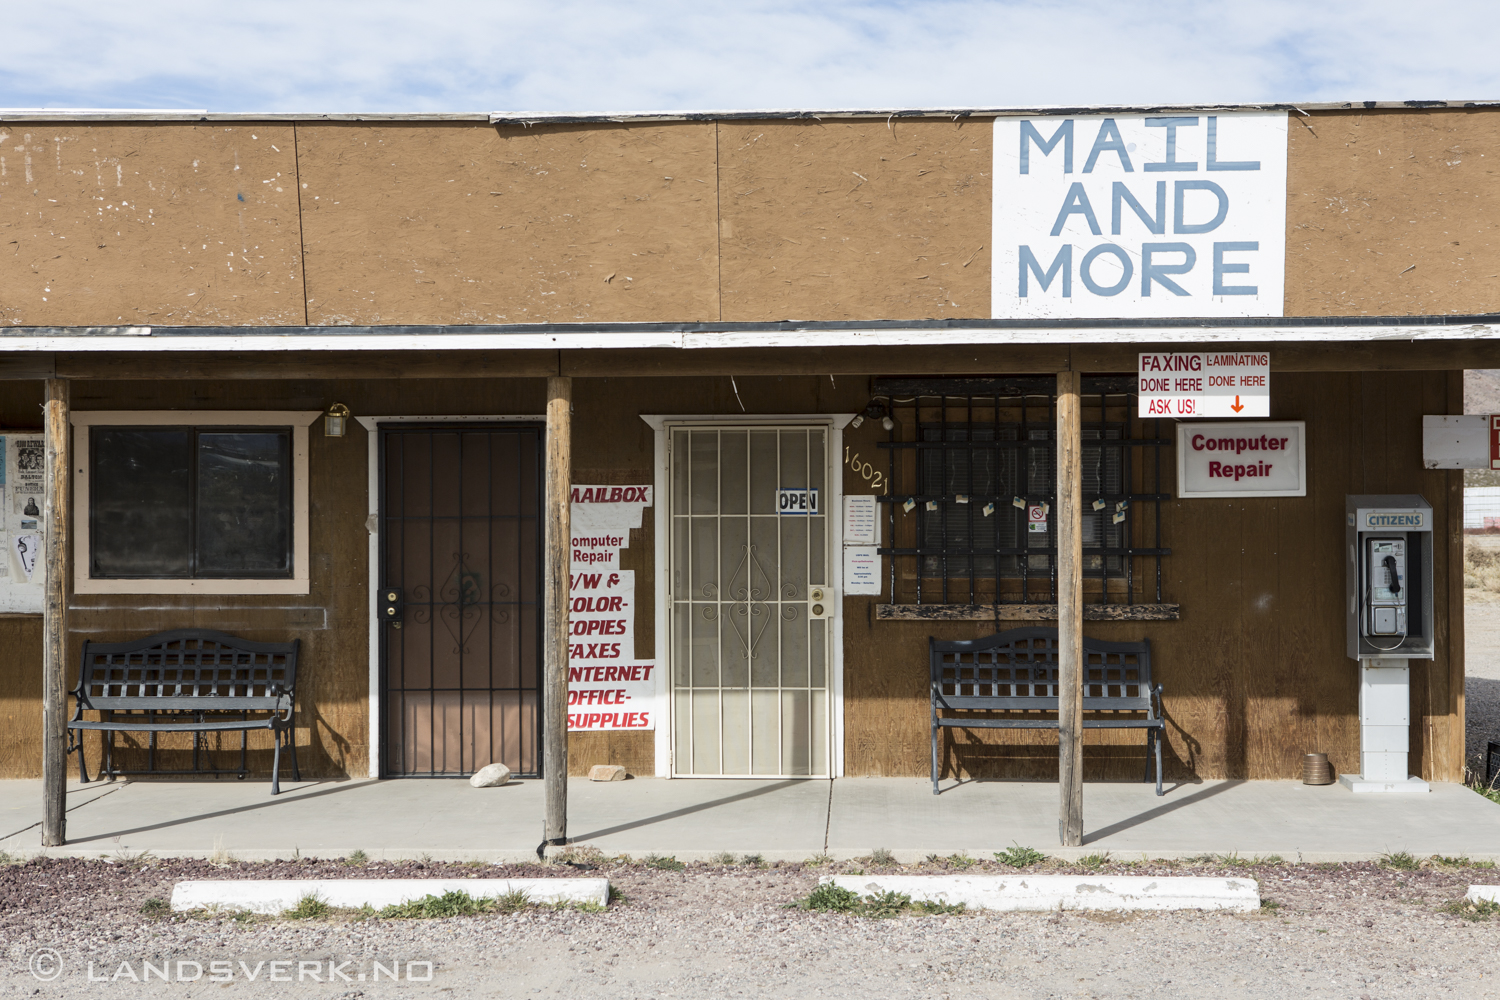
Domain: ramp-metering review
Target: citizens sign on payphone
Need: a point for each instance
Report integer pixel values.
(1389, 574)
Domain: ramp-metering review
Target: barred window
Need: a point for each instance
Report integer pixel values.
(973, 480)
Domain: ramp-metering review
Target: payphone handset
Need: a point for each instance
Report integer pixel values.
(1386, 594)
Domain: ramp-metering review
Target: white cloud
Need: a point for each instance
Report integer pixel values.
(571, 55)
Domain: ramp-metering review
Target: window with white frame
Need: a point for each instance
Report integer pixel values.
(191, 502)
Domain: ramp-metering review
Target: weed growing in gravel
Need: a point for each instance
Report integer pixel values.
(664, 862)
(1093, 862)
(819, 860)
(723, 858)
(885, 905)
(1269, 906)
(1471, 909)
(1462, 861)
(155, 907)
(961, 861)
(1401, 861)
(753, 861)
(830, 898)
(1020, 857)
(357, 857)
(882, 857)
(309, 907)
(617, 895)
(937, 908)
(456, 904)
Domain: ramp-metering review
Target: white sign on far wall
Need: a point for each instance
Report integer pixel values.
(1262, 458)
(1139, 215)
(1207, 384)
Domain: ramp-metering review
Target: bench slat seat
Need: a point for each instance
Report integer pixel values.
(1016, 672)
(168, 682)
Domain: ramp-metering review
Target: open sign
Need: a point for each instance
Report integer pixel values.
(790, 500)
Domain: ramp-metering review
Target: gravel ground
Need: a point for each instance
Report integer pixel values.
(1350, 930)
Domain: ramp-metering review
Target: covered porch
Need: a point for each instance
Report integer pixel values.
(785, 820)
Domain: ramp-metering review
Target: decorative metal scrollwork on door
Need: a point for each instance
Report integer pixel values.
(746, 601)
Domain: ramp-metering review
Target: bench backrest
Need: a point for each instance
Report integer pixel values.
(1017, 671)
(194, 669)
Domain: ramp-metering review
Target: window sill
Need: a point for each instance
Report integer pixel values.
(215, 587)
(1024, 612)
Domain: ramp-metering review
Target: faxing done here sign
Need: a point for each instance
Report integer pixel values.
(1139, 215)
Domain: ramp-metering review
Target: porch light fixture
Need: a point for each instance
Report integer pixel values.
(335, 420)
(875, 411)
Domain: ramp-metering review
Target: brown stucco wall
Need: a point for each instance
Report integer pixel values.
(669, 221)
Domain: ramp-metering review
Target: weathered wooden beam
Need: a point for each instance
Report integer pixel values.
(956, 360)
(558, 519)
(1023, 612)
(1070, 609)
(55, 621)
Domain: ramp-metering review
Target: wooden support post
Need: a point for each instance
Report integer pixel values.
(1069, 521)
(558, 519)
(55, 621)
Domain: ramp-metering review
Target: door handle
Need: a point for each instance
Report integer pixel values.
(392, 605)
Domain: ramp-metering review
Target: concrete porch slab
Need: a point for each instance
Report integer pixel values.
(789, 820)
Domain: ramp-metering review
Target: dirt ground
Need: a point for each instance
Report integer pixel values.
(1346, 931)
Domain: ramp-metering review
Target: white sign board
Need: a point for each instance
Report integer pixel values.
(797, 500)
(1454, 442)
(1263, 459)
(1139, 215)
(861, 541)
(1217, 384)
(608, 688)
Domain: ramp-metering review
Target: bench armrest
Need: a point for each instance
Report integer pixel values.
(1156, 701)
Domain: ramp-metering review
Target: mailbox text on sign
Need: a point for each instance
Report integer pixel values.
(791, 500)
(1209, 384)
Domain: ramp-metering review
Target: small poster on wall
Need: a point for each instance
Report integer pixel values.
(27, 474)
(27, 547)
(23, 465)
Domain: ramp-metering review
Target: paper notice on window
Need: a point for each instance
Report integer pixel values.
(26, 548)
(26, 474)
(861, 569)
(861, 523)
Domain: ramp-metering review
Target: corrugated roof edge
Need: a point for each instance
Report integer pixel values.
(517, 118)
(544, 118)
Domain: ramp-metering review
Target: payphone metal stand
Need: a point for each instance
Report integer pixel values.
(1390, 623)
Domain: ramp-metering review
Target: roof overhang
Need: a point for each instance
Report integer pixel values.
(708, 336)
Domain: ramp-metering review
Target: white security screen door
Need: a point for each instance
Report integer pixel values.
(747, 586)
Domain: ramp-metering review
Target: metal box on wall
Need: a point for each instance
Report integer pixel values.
(1388, 577)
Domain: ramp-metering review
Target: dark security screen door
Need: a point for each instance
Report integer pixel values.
(460, 539)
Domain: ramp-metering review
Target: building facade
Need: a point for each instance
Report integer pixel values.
(813, 406)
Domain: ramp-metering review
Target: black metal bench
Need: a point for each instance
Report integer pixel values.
(170, 682)
(1015, 673)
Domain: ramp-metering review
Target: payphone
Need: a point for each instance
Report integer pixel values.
(1388, 569)
(1389, 577)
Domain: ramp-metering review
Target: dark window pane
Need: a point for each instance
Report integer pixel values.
(244, 504)
(139, 519)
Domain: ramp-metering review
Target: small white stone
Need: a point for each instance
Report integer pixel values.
(490, 775)
(607, 772)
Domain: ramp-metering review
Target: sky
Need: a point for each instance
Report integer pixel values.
(557, 56)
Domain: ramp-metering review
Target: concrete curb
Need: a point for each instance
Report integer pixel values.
(271, 896)
(1483, 893)
(1063, 892)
